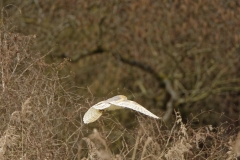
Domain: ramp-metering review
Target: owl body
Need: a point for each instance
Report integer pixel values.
(114, 103)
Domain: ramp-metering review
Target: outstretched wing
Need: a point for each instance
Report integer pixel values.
(134, 106)
(105, 105)
(116, 98)
(101, 105)
(91, 115)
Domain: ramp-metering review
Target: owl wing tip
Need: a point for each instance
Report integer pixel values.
(157, 117)
(91, 115)
(134, 106)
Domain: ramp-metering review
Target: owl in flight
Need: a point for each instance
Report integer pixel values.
(116, 102)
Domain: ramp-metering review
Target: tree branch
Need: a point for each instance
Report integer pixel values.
(163, 82)
(143, 67)
(98, 50)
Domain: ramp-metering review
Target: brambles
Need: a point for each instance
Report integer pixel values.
(34, 104)
(155, 141)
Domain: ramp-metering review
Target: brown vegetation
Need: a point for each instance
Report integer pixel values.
(179, 59)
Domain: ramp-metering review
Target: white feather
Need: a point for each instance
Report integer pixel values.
(91, 115)
(116, 102)
(135, 106)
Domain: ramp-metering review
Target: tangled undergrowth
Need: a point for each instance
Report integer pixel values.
(41, 118)
(156, 141)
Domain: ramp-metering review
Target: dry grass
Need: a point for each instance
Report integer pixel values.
(37, 113)
(155, 141)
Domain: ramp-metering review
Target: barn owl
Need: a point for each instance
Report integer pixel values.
(114, 103)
